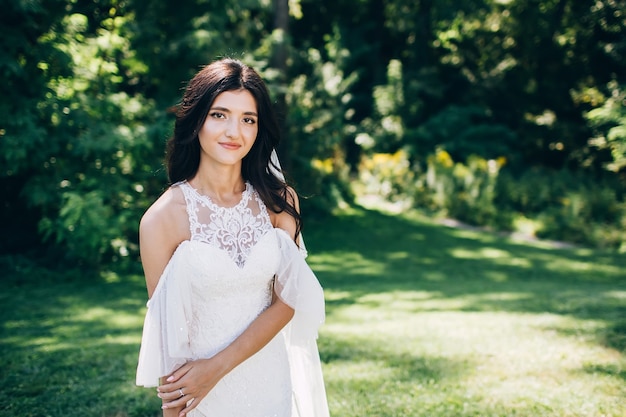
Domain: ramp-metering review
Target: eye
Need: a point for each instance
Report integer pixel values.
(249, 120)
(217, 115)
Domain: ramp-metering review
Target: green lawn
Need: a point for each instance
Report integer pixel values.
(422, 320)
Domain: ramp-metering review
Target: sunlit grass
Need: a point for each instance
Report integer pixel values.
(467, 324)
(422, 320)
(477, 363)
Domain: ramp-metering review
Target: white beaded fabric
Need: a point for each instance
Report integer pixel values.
(214, 286)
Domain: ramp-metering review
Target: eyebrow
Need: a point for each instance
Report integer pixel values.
(224, 109)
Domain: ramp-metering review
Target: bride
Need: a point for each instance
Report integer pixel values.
(233, 308)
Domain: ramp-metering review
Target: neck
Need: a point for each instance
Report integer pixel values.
(221, 185)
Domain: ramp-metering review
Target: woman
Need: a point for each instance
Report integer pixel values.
(234, 309)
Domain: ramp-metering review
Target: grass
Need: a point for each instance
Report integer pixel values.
(425, 320)
(422, 320)
(69, 344)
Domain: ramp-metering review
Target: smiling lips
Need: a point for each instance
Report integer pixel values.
(230, 145)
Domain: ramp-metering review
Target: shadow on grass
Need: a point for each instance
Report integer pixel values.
(69, 346)
(367, 377)
(363, 252)
(405, 366)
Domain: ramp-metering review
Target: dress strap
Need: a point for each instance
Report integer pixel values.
(191, 204)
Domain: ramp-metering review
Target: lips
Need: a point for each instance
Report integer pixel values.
(230, 145)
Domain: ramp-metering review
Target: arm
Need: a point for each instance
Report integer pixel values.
(197, 378)
(155, 251)
(161, 230)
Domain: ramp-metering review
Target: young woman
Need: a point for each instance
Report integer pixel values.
(234, 309)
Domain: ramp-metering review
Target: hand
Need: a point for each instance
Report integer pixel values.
(194, 380)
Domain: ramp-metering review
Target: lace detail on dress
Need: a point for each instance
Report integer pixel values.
(233, 229)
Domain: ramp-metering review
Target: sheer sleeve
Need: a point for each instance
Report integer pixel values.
(297, 286)
(165, 339)
(302, 246)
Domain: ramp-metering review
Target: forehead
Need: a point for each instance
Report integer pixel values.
(236, 100)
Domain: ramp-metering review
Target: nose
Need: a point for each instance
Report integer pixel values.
(233, 128)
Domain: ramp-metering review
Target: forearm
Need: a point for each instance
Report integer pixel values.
(257, 335)
(198, 377)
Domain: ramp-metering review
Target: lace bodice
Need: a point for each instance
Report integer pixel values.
(234, 229)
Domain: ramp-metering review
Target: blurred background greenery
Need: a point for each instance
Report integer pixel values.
(501, 113)
(504, 114)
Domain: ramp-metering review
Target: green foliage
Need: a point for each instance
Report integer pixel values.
(389, 176)
(465, 131)
(462, 191)
(22, 120)
(567, 206)
(90, 155)
(88, 88)
(527, 78)
(319, 117)
(561, 205)
(98, 139)
(609, 123)
(388, 127)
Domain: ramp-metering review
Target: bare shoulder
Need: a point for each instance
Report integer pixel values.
(167, 215)
(284, 220)
(162, 228)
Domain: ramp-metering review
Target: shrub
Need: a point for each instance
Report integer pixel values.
(569, 206)
(387, 175)
(563, 205)
(464, 191)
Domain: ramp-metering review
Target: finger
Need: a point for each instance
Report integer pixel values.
(166, 391)
(190, 406)
(179, 373)
(170, 395)
(180, 402)
(171, 385)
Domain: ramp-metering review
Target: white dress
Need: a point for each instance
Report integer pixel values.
(213, 287)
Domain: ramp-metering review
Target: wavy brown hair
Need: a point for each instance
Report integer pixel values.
(183, 148)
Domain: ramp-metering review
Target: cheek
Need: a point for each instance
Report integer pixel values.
(252, 134)
(204, 131)
(208, 126)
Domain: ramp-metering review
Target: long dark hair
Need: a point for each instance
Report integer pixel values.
(183, 148)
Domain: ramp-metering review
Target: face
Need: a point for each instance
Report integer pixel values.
(230, 128)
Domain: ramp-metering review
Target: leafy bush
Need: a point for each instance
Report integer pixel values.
(463, 191)
(464, 131)
(609, 125)
(319, 112)
(569, 206)
(387, 175)
(87, 168)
